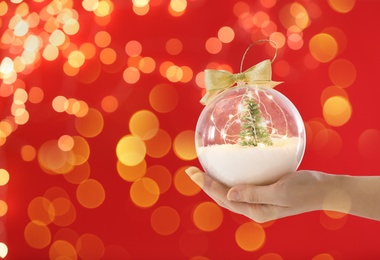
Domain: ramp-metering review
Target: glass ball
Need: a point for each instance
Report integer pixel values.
(249, 134)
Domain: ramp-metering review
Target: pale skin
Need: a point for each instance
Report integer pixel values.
(296, 193)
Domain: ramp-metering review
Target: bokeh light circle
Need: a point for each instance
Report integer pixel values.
(250, 236)
(184, 184)
(163, 98)
(165, 220)
(207, 216)
(37, 235)
(91, 124)
(144, 124)
(337, 111)
(342, 73)
(184, 145)
(90, 193)
(61, 249)
(144, 192)
(131, 173)
(323, 47)
(159, 145)
(130, 150)
(90, 246)
(342, 6)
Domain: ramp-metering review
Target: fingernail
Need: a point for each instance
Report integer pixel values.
(197, 178)
(188, 172)
(233, 195)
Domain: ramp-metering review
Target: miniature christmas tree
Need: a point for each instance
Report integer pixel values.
(253, 131)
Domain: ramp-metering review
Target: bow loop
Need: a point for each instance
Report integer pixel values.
(217, 81)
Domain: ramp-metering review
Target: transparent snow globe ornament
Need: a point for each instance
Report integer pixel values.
(250, 134)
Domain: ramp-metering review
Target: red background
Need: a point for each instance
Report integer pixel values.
(125, 229)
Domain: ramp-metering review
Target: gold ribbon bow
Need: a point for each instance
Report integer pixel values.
(217, 81)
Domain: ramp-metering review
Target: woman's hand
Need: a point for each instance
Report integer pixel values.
(294, 193)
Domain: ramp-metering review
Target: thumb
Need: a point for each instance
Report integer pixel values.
(252, 194)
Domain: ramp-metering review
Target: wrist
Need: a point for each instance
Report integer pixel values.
(334, 197)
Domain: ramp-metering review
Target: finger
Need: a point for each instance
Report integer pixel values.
(254, 194)
(214, 189)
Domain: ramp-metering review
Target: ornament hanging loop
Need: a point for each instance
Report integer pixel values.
(254, 43)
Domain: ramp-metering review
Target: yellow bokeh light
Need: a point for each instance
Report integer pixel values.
(109, 104)
(37, 235)
(80, 150)
(342, 73)
(250, 236)
(102, 39)
(141, 11)
(76, 59)
(131, 75)
(32, 43)
(332, 91)
(21, 28)
(187, 74)
(104, 8)
(3, 208)
(133, 48)
(323, 47)
(40, 209)
(57, 38)
(165, 220)
(213, 45)
(174, 73)
(140, 3)
(130, 150)
(184, 145)
(6, 65)
(337, 111)
(207, 216)
(20, 96)
(159, 145)
(144, 192)
(28, 153)
(66, 143)
(226, 34)
(184, 184)
(61, 249)
(36, 95)
(108, 56)
(90, 5)
(91, 124)
(88, 49)
(131, 173)
(147, 65)
(50, 52)
(3, 8)
(278, 38)
(71, 27)
(79, 174)
(161, 175)
(53, 160)
(342, 6)
(3, 250)
(90, 246)
(144, 124)
(4, 177)
(69, 70)
(90, 193)
(177, 7)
